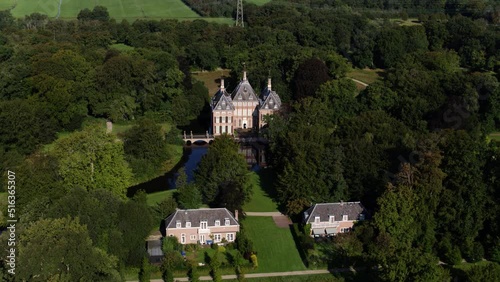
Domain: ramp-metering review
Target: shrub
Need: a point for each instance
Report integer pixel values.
(254, 260)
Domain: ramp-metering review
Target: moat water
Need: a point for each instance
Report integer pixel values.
(254, 156)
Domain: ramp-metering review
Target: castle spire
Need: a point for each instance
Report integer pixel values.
(269, 82)
(244, 72)
(222, 84)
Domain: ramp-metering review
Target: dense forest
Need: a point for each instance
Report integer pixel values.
(413, 146)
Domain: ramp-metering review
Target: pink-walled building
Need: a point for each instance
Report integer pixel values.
(242, 109)
(202, 225)
(328, 219)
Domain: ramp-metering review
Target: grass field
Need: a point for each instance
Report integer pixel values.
(261, 200)
(495, 136)
(7, 4)
(155, 198)
(367, 76)
(258, 2)
(275, 247)
(211, 79)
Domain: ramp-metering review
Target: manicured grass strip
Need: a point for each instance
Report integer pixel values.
(7, 4)
(155, 198)
(261, 200)
(366, 75)
(118, 9)
(275, 247)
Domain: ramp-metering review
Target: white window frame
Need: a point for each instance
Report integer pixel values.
(227, 222)
(188, 223)
(192, 237)
(203, 224)
(217, 223)
(345, 217)
(230, 237)
(178, 224)
(332, 219)
(217, 238)
(317, 219)
(183, 238)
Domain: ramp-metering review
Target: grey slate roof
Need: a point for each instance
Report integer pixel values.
(324, 210)
(270, 100)
(244, 92)
(195, 216)
(222, 101)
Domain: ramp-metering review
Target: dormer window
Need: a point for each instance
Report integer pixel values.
(178, 224)
(331, 219)
(316, 219)
(345, 217)
(361, 216)
(227, 222)
(217, 223)
(203, 225)
(188, 224)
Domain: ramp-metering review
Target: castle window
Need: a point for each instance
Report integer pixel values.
(220, 119)
(227, 119)
(226, 129)
(220, 129)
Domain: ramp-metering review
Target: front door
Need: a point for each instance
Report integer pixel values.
(202, 239)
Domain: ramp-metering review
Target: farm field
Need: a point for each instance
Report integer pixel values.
(495, 136)
(367, 76)
(275, 247)
(258, 2)
(118, 9)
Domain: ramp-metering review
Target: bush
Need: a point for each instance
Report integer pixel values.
(254, 260)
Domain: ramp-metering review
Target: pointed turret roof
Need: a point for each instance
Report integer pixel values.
(269, 99)
(244, 91)
(222, 99)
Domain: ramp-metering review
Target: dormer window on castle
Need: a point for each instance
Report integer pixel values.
(345, 217)
(331, 219)
(217, 223)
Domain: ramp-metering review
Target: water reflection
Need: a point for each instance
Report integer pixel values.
(254, 155)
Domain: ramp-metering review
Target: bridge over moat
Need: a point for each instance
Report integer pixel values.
(209, 138)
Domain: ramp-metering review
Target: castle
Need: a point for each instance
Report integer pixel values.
(242, 109)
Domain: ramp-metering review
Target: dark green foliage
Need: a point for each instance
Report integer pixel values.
(308, 77)
(99, 13)
(145, 271)
(192, 273)
(145, 147)
(188, 195)
(164, 208)
(215, 264)
(135, 225)
(222, 175)
(486, 272)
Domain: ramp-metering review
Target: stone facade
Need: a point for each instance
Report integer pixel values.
(242, 109)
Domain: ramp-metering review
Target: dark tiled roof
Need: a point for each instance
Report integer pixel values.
(197, 215)
(222, 101)
(324, 210)
(270, 100)
(244, 92)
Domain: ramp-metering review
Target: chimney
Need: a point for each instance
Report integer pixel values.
(222, 83)
(269, 83)
(236, 215)
(244, 72)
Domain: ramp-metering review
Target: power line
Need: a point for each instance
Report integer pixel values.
(239, 14)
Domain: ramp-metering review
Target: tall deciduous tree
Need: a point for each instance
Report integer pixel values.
(92, 159)
(188, 194)
(220, 167)
(60, 249)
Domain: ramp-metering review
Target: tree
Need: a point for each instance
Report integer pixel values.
(145, 148)
(308, 77)
(145, 271)
(188, 194)
(221, 167)
(53, 249)
(92, 159)
(193, 274)
(215, 265)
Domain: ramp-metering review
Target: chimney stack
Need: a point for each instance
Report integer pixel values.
(269, 83)
(236, 215)
(244, 72)
(222, 84)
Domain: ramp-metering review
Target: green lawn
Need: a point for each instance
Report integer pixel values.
(258, 2)
(6, 4)
(275, 247)
(155, 198)
(366, 75)
(211, 79)
(118, 9)
(495, 136)
(300, 278)
(261, 200)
